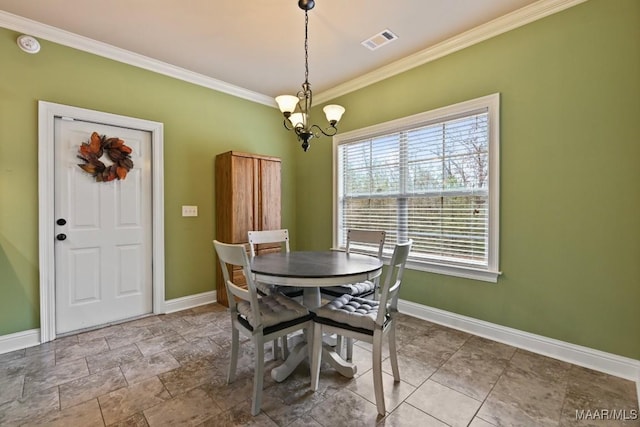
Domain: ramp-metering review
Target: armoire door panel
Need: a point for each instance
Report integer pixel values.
(243, 199)
(270, 195)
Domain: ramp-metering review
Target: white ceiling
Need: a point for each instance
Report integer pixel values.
(259, 45)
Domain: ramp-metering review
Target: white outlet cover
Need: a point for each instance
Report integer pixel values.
(189, 211)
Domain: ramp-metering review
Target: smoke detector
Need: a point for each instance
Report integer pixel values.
(28, 44)
(382, 38)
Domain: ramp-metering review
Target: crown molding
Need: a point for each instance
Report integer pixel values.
(515, 19)
(66, 38)
(518, 18)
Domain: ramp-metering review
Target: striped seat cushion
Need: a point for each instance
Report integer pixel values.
(274, 309)
(359, 313)
(360, 289)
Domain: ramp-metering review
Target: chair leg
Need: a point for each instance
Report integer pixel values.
(258, 375)
(308, 337)
(349, 349)
(285, 348)
(377, 372)
(233, 361)
(393, 352)
(316, 355)
(339, 345)
(276, 350)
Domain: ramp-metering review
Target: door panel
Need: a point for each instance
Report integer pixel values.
(84, 280)
(103, 267)
(129, 205)
(130, 258)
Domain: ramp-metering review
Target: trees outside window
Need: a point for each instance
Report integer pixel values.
(433, 178)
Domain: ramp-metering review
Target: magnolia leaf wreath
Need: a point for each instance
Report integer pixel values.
(91, 152)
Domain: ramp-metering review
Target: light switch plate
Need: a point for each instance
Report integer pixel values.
(189, 211)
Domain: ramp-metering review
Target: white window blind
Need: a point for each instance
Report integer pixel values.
(426, 179)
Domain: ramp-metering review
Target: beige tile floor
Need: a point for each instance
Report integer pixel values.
(170, 370)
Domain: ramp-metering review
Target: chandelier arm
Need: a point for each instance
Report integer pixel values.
(330, 131)
(286, 126)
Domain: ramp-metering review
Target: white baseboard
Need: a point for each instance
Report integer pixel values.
(19, 340)
(190, 301)
(30, 338)
(609, 363)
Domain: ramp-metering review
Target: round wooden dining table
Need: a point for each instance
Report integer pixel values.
(311, 271)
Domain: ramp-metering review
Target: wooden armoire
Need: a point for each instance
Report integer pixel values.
(248, 197)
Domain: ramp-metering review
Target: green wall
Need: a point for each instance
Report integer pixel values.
(570, 180)
(198, 124)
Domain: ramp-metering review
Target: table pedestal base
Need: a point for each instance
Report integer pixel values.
(300, 352)
(301, 349)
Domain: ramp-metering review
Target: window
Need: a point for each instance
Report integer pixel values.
(432, 177)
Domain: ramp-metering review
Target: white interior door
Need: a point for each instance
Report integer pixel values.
(103, 231)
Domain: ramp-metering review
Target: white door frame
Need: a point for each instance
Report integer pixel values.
(47, 112)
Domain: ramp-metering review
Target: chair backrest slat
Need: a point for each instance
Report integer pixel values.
(392, 281)
(229, 254)
(267, 236)
(373, 239)
(370, 239)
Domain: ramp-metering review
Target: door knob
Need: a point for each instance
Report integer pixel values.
(61, 236)
(61, 221)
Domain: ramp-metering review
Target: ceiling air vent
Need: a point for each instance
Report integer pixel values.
(379, 40)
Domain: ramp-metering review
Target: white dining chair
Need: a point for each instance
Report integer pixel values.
(366, 320)
(281, 236)
(365, 242)
(261, 237)
(262, 319)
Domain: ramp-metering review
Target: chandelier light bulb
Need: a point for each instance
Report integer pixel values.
(298, 119)
(334, 113)
(287, 103)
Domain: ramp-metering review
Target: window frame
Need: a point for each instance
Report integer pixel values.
(490, 103)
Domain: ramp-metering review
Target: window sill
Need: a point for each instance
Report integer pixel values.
(447, 270)
(456, 271)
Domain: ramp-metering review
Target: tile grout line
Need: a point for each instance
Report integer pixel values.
(564, 395)
(104, 422)
(496, 383)
(423, 382)
(482, 402)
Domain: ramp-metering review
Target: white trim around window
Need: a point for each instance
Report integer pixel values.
(473, 254)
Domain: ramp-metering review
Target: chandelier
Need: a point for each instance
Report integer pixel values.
(297, 109)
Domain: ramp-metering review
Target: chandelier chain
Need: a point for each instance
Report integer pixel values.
(306, 47)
